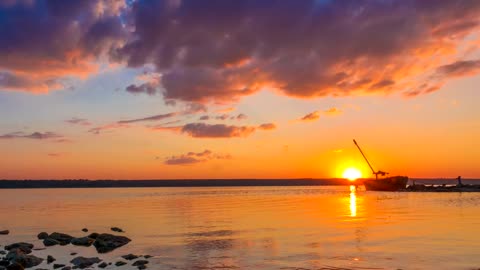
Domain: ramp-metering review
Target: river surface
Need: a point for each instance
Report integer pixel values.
(256, 227)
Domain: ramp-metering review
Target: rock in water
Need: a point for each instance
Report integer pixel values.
(141, 267)
(107, 242)
(140, 262)
(15, 266)
(103, 265)
(82, 262)
(56, 266)
(4, 232)
(93, 235)
(82, 241)
(48, 242)
(67, 268)
(62, 238)
(16, 255)
(24, 247)
(117, 229)
(50, 259)
(84, 230)
(120, 263)
(130, 257)
(42, 235)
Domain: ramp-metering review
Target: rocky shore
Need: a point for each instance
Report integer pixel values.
(20, 255)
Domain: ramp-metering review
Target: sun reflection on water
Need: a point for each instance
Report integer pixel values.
(353, 201)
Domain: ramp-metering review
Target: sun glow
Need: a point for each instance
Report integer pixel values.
(352, 174)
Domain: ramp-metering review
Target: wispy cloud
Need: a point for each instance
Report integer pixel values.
(34, 135)
(78, 121)
(313, 116)
(150, 118)
(108, 127)
(193, 158)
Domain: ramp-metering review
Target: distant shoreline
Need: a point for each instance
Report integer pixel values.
(83, 183)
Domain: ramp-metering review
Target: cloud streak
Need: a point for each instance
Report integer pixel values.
(194, 158)
(34, 135)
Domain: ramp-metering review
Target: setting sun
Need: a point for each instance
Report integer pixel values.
(352, 174)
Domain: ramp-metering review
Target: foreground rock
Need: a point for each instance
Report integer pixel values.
(62, 238)
(120, 263)
(48, 242)
(50, 259)
(130, 257)
(82, 241)
(15, 266)
(82, 262)
(4, 232)
(107, 242)
(16, 255)
(24, 247)
(42, 235)
(117, 229)
(140, 262)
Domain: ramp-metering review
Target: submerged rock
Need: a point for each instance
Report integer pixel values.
(82, 262)
(48, 242)
(73, 253)
(57, 265)
(117, 229)
(15, 266)
(140, 262)
(120, 263)
(84, 230)
(103, 265)
(141, 267)
(50, 259)
(42, 235)
(62, 238)
(67, 268)
(130, 257)
(93, 235)
(16, 255)
(24, 247)
(147, 256)
(4, 232)
(82, 241)
(107, 242)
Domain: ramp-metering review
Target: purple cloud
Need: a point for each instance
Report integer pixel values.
(193, 158)
(150, 118)
(34, 135)
(78, 121)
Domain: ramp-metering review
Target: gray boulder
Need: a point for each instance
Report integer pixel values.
(48, 242)
(107, 242)
(82, 262)
(82, 241)
(62, 238)
(42, 235)
(24, 247)
(130, 257)
(50, 259)
(18, 256)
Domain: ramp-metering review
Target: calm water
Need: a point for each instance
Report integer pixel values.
(258, 227)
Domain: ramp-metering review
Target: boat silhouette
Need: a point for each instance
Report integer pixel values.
(392, 183)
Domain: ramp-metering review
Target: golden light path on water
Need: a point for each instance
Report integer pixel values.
(353, 201)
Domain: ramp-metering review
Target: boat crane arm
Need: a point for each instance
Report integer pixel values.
(373, 171)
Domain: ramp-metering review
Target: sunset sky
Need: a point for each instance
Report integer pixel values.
(238, 89)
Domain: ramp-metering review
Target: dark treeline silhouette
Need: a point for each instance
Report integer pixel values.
(82, 183)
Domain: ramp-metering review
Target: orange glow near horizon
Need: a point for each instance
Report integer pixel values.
(352, 174)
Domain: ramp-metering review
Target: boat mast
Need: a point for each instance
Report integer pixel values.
(369, 165)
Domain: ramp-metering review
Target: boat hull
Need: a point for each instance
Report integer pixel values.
(394, 183)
